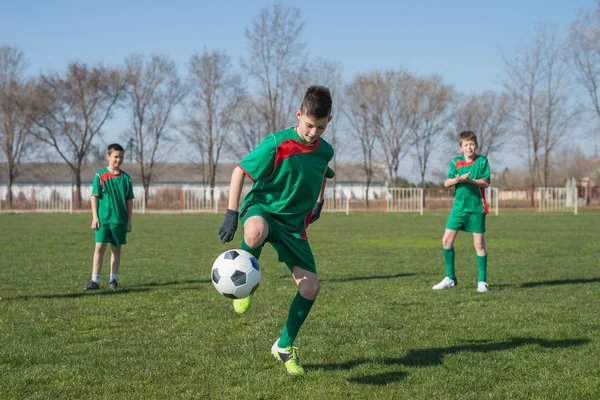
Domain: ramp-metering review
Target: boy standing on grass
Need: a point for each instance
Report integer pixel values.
(289, 170)
(112, 209)
(470, 173)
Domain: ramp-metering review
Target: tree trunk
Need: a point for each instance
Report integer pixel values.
(9, 197)
(77, 173)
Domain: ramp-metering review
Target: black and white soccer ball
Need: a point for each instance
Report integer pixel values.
(236, 274)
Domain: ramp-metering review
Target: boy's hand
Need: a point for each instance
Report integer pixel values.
(228, 226)
(463, 177)
(316, 212)
(128, 226)
(95, 224)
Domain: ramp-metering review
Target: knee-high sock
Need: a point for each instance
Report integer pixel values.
(254, 251)
(449, 260)
(482, 268)
(296, 316)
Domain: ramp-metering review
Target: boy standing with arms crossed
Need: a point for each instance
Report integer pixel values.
(112, 209)
(289, 170)
(471, 175)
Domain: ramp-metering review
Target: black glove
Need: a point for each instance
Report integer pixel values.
(228, 226)
(316, 211)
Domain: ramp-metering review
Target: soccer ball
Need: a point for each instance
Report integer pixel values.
(236, 274)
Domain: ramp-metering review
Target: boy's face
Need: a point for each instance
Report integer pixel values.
(468, 148)
(309, 127)
(115, 159)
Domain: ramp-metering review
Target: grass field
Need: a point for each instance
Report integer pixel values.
(377, 330)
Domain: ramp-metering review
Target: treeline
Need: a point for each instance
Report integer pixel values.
(220, 110)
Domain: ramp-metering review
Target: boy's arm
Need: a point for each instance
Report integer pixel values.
(230, 222)
(316, 212)
(482, 183)
(95, 219)
(129, 205)
(235, 188)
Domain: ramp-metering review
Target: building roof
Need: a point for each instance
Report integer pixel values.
(171, 173)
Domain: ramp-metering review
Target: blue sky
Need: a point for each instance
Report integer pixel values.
(461, 40)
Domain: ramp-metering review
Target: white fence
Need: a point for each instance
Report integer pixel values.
(491, 196)
(404, 200)
(341, 198)
(550, 199)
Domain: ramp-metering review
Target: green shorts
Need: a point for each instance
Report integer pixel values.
(465, 221)
(290, 250)
(112, 233)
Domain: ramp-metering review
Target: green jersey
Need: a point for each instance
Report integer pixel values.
(468, 197)
(287, 175)
(112, 191)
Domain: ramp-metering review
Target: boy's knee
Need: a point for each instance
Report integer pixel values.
(310, 289)
(100, 246)
(254, 236)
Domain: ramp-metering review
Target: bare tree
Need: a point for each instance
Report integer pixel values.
(14, 109)
(583, 54)
(153, 91)
(329, 74)
(71, 110)
(359, 113)
(215, 94)
(432, 104)
(489, 116)
(277, 63)
(392, 115)
(536, 83)
(248, 128)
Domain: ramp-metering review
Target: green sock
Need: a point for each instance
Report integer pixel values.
(449, 260)
(296, 316)
(482, 268)
(255, 252)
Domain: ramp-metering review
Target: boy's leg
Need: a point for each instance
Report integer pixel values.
(449, 280)
(308, 289)
(449, 255)
(96, 266)
(476, 224)
(256, 230)
(98, 258)
(115, 262)
(479, 242)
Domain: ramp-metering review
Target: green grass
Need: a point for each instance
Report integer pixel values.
(377, 330)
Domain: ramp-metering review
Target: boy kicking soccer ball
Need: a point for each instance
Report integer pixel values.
(470, 173)
(289, 170)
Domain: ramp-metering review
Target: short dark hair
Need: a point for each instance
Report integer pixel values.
(317, 102)
(115, 147)
(467, 136)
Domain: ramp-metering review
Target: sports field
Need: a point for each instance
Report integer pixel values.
(377, 330)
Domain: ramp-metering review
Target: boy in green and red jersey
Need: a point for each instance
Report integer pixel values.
(112, 208)
(470, 173)
(289, 170)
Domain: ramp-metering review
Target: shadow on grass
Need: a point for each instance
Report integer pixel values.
(435, 356)
(145, 287)
(379, 379)
(560, 282)
(365, 278)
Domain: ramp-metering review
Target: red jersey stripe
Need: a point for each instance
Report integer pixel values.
(485, 204)
(106, 176)
(246, 172)
(462, 163)
(289, 148)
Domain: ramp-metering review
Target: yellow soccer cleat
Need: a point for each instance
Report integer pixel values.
(289, 357)
(242, 305)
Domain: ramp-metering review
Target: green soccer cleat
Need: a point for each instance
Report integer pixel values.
(289, 356)
(242, 305)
